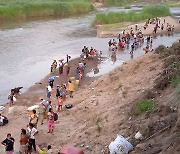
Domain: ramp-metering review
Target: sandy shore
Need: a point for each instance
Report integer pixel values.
(103, 32)
(19, 118)
(101, 108)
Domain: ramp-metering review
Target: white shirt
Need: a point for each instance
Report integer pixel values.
(1, 119)
(32, 132)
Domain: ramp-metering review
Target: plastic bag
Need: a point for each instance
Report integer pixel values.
(120, 146)
(2, 108)
(14, 99)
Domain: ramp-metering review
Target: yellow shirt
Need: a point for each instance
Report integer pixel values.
(71, 86)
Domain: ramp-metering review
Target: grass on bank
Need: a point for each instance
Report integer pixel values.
(132, 16)
(42, 8)
(128, 2)
(144, 106)
(171, 73)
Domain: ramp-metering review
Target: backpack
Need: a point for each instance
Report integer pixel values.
(55, 116)
(68, 106)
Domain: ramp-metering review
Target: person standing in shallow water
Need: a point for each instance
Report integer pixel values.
(9, 143)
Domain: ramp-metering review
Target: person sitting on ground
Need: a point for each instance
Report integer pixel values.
(9, 143)
(23, 142)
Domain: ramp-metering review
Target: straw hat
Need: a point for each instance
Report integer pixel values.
(61, 59)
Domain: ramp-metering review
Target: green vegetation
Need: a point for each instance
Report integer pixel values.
(115, 2)
(131, 16)
(176, 81)
(113, 26)
(98, 121)
(13, 9)
(144, 106)
(127, 2)
(171, 73)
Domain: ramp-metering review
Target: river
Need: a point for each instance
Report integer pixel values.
(27, 49)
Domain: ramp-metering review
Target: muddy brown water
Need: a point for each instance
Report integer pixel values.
(27, 49)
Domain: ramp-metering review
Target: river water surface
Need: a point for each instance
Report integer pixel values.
(28, 49)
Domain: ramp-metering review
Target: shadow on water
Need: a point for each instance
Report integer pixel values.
(28, 49)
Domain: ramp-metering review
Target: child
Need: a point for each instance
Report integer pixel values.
(60, 103)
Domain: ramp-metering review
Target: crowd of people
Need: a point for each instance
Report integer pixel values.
(134, 37)
(47, 110)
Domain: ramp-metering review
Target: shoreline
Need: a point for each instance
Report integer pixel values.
(78, 126)
(104, 32)
(71, 123)
(40, 86)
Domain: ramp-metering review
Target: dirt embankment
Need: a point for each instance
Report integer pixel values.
(104, 108)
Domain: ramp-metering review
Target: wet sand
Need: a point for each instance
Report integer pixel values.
(38, 90)
(103, 33)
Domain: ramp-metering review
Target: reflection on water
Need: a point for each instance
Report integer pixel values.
(28, 49)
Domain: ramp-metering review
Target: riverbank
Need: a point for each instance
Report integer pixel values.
(128, 2)
(38, 90)
(147, 12)
(23, 10)
(103, 108)
(112, 30)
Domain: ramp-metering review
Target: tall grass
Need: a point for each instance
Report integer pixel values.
(131, 16)
(127, 2)
(144, 106)
(41, 8)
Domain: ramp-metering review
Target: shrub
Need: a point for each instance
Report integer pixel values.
(144, 106)
(10, 9)
(132, 16)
